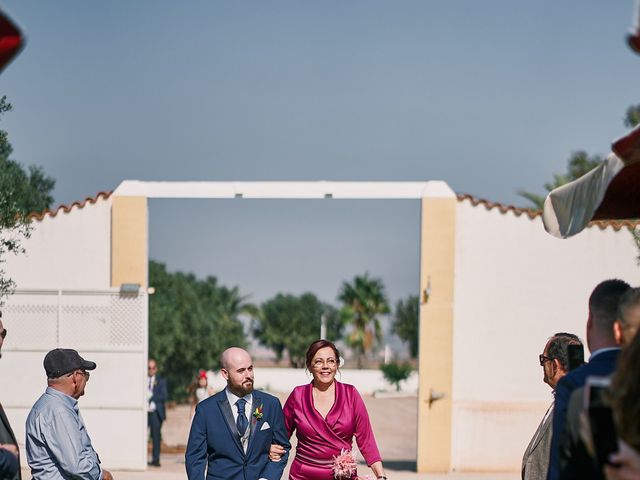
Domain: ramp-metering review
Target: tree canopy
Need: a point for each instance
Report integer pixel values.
(363, 300)
(21, 192)
(290, 323)
(406, 322)
(191, 322)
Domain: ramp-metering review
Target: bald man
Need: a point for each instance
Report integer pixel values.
(232, 431)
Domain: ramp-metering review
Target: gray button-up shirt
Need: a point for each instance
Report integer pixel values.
(58, 445)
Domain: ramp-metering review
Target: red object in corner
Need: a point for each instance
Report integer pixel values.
(633, 40)
(628, 147)
(11, 40)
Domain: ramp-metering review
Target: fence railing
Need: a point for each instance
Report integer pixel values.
(96, 320)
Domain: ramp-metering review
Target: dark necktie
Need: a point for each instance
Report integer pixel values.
(241, 421)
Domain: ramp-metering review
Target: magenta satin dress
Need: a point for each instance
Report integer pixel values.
(319, 439)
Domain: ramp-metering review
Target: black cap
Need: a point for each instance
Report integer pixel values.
(61, 361)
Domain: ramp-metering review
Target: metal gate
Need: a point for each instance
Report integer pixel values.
(105, 326)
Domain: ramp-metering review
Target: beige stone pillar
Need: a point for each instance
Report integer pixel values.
(129, 240)
(437, 255)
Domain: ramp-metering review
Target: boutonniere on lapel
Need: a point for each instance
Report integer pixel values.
(257, 413)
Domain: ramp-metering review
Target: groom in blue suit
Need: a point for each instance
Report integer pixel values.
(232, 431)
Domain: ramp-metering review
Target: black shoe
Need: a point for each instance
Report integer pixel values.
(153, 464)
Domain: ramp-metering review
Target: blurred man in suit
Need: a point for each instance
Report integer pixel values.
(157, 413)
(555, 364)
(9, 454)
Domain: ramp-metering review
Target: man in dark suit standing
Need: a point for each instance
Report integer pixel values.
(576, 463)
(232, 431)
(603, 312)
(554, 361)
(9, 454)
(157, 413)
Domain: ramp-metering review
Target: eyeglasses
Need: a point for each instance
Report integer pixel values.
(544, 358)
(84, 373)
(319, 363)
(3, 333)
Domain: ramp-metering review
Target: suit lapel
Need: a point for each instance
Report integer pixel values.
(225, 409)
(542, 428)
(253, 421)
(5, 421)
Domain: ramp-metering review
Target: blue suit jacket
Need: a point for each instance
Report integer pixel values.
(602, 365)
(8, 464)
(214, 443)
(159, 396)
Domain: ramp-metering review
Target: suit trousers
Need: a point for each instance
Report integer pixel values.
(155, 426)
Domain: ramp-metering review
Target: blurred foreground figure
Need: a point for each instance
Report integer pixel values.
(9, 454)
(625, 390)
(11, 40)
(58, 445)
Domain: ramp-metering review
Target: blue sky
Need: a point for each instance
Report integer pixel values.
(489, 96)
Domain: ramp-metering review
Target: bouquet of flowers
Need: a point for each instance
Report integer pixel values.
(345, 467)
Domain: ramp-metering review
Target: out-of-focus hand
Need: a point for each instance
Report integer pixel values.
(276, 452)
(106, 475)
(627, 461)
(10, 447)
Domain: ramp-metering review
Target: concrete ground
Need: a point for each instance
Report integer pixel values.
(394, 423)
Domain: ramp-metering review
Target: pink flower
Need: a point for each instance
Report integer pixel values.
(344, 465)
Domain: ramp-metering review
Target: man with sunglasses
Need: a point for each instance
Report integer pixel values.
(9, 454)
(58, 445)
(555, 364)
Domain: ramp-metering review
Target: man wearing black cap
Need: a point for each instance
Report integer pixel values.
(58, 446)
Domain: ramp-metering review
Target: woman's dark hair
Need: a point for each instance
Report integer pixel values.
(317, 345)
(625, 392)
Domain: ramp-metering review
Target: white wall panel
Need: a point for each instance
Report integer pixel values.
(515, 286)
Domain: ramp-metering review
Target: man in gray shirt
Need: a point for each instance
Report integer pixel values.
(58, 445)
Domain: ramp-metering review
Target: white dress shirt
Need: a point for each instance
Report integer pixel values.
(234, 408)
(150, 383)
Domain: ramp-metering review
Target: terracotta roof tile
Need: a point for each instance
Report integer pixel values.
(517, 211)
(502, 208)
(67, 208)
(531, 213)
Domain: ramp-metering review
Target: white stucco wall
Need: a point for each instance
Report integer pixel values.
(515, 286)
(67, 251)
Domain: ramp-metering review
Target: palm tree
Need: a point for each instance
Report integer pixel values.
(364, 300)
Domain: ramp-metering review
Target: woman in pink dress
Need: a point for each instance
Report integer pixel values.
(326, 415)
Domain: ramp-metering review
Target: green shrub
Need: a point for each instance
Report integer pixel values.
(396, 372)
